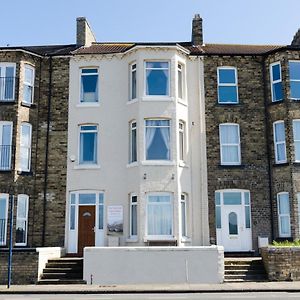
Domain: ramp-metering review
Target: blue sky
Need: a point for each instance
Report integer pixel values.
(37, 22)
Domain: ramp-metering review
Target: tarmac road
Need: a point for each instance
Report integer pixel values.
(167, 296)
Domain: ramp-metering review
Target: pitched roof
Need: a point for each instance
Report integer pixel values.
(208, 49)
(45, 50)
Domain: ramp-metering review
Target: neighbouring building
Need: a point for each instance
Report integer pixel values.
(120, 144)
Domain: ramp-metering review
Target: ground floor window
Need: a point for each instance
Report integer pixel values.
(284, 223)
(22, 220)
(3, 217)
(133, 215)
(159, 214)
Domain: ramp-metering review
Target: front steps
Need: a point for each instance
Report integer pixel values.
(63, 271)
(244, 269)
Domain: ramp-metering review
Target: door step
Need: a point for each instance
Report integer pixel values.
(63, 271)
(244, 269)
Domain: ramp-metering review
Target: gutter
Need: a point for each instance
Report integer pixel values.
(47, 151)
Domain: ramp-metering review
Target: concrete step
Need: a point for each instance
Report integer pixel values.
(63, 270)
(244, 267)
(61, 281)
(253, 277)
(62, 276)
(247, 272)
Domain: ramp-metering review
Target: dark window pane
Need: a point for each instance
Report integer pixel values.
(227, 76)
(277, 91)
(228, 94)
(294, 70)
(295, 89)
(232, 198)
(218, 217)
(276, 72)
(247, 216)
(157, 82)
(232, 222)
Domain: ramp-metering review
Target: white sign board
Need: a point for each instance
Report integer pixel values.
(115, 220)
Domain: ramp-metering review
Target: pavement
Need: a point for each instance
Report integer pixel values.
(293, 286)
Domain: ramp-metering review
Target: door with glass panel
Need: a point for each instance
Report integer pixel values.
(233, 220)
(5, 145)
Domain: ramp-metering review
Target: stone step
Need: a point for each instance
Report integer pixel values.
(244, 267)
(254, 277)
(62, 276)
(63, 265)
(63, 270)
(250, 272)
(67, 259)
(61, 281)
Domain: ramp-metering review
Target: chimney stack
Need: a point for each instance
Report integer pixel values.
(296, 39)
(197, 34)
(84, 35)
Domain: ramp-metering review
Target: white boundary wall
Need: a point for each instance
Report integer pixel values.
(153, 265)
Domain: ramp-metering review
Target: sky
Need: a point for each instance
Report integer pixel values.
(44, 22)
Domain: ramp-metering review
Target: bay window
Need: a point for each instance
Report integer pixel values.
(28, 85)
(183, 211)
(3, 218)
(22, 220)
(157, 78)
(25, 147)
(7, 81)
(133, 216)
(294, 68)
(276, 82)
(5, 145)
(283, 206)
(159, 215)
(296, 135)
(133, 80)
(279, 142)
(157, 139)
(133, 142)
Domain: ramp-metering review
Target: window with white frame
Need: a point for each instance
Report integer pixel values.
(133, 142)
(7, 81)
(181, 140)
(230, 144)
(227, 85)
(296, 135)
(294, 67)
(3, 218)
(279, 142)
(28, 84)
(133, 81)
(180, 84)
(22, 220)
(283, 207)
(159, 215)
(88, 139)
(101, 212)
(25, 147)
(5, 145)
(183, 211)
(89, 85)
(276, 82)
(157, 139)
(157, 78)
(133, 216)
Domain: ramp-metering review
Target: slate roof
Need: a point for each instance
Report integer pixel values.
(207, 49)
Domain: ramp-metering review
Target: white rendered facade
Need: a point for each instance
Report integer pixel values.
(180, 179)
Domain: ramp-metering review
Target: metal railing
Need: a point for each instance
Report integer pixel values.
(5, 157)
(2, 231)
(7, 88)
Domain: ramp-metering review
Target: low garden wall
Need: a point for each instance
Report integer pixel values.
(153, 265)
(282, 263)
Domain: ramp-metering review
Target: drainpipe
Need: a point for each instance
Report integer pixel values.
(267, 117)
(47, 150)
(36, 149)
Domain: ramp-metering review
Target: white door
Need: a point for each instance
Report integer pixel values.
(234, 220)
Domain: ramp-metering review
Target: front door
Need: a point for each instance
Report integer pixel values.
(86, 227)
(233, 228)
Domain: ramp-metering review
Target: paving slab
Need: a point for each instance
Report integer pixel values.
(153, 288)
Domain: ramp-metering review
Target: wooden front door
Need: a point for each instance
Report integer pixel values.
(86, 227)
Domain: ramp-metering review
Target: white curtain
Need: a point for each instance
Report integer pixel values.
(159, 219)
(150, 133)
(280, 140)
(165, 132)
(230, 143)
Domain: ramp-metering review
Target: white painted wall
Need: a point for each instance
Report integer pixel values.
(114, 176)
(153, 265)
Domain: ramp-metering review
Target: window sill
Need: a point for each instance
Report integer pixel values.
(132, 165)
(132, 240)
(158, 163)
(8, 102)
(28, 105)
(25, 173)
(88, 104)
(232, 166)
(276, 102)
(281, 164)
(186, 239)
(5, 170)
(132, 101)
(229, 103)
(158, 98)
(294, 99)
(182, 102)
(86, 167)
(182, 164)
(159, 238)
